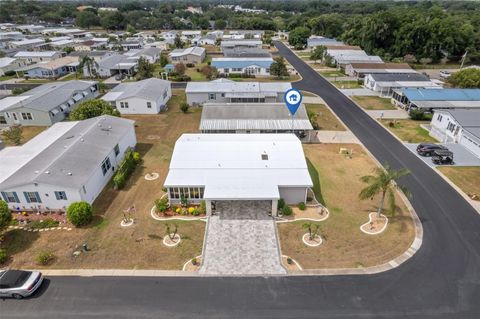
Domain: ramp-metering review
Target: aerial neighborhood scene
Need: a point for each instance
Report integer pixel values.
(239, 159)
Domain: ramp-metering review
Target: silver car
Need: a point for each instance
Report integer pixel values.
(19, 283)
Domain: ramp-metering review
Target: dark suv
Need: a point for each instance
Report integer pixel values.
(428, 149)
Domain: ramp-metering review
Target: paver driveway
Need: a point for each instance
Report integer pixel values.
(241, 240)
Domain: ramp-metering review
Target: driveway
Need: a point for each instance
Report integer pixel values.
(461, 156)
(241, 240)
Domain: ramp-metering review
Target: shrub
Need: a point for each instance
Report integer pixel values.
(191, 210)
(161, 204)
(184, 107)
(5, 215)
(119, 181)
(181, 78)
(416, 114)
(190, 65)
(287, 210)
(47, 223)
(281, 203)
(136, 157)
(45, 257)
(10, 73)
(301, 206)
(79, 213)
(3, 256)
(391, 124)
(194, 261)
(202, 208)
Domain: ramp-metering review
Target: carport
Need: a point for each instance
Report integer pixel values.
(232, 196)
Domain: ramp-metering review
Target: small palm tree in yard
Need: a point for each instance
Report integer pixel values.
(313, 230)
(383, 182)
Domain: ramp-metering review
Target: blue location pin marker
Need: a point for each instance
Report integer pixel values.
(293, 99)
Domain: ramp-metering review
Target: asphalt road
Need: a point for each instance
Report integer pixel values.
(441, 281)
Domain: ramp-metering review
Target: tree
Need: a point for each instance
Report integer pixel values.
(318, 53)
(163, 60)
(131, 29)
(313, 230)
(298, 37)
(466, 78)
(220, 24)
(210, 72)
(13, 134)
(113, 20)
(90, 64)
(383, 182)
(171, 234)
(79, 213)
(87, 19)
(278, 68)
(177, 42)
(68, 50)
(5, 215)
(145, 69)
(180, 68)
(184, 107)
(92, 108)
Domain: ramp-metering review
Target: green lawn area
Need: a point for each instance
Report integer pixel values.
(331, 74)
(6, 77)
(346, 84)
(196, 76)
(373, 103)
(465, 177)
(344, 244)
(409, 130)
(325, 119)
(434, 66)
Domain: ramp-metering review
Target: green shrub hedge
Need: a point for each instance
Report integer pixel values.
(79, 213)
(125, 168)
(47, 223)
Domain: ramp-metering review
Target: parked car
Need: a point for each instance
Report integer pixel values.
(19, 283)
(442, 157)
(445, 74)
(427, 149)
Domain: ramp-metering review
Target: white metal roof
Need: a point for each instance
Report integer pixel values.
(225, 85)
(230, 166)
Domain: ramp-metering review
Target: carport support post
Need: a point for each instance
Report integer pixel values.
(274, 207)
(208, 206)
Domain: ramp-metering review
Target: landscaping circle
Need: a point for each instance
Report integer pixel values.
(126, 223)
(167, 241)
(290, 263)
(193, 264)
(151, 176)
(316, 241)
(375, 224)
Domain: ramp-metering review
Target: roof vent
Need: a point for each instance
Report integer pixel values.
(265, 157)
(82, 139)
(69, 173)
(47, 172)
(36, 172)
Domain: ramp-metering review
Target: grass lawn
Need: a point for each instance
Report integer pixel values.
(6, 77)
(409, 130)
(325, 120)
(347, 84)
(307, 93)
(373, 103)
(196, 76)
(465, 177)
(28, 132)
(68, 77)
(138, 246)
(434, 66)
(344, 244)
(331, 74)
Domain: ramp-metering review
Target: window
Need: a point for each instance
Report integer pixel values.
(126, 105)
(32, 197)
(212, 96)
(106, 165)
(116, 149)
(10, 197)
(3, 120)
(439, 117)
(60, 195)
(122, 105)
(149, 105)
(27, 116)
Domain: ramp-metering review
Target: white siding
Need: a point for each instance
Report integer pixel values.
(293, 195)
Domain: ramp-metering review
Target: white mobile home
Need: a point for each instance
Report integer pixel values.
(238, 167)
(149, 96)
(71, 161)
(228, 91)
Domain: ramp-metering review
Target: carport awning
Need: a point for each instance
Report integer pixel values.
(241, 192)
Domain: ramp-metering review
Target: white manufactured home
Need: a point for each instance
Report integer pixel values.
(238, 167)
(69, 162)
(148, 96)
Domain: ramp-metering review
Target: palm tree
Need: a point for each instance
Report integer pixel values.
(383, 182)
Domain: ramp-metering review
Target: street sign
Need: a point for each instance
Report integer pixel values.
(293, 99)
